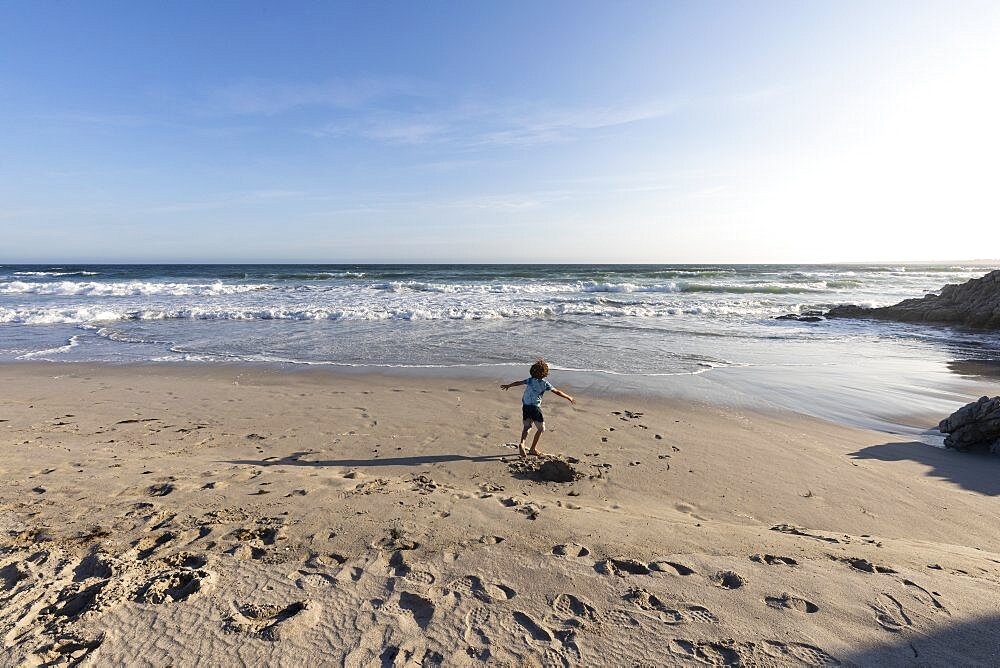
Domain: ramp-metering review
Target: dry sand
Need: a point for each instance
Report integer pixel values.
(239, 516)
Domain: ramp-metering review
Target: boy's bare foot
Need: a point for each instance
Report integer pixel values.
(535, 453)
(520, 448)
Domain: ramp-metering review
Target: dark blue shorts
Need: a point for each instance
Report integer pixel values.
(532, 413)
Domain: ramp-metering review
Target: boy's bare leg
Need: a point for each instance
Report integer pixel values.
(534, 444)
(524, 437)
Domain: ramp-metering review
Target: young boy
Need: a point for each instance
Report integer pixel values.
(531, 402)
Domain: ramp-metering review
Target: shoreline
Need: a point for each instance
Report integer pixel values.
(714, 386)
(273, 517)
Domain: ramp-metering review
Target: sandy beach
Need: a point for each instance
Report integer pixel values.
(273, 275)
(213, 515)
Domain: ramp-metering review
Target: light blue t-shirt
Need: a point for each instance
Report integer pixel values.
(534, 388)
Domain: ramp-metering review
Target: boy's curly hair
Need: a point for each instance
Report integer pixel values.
(539, 369)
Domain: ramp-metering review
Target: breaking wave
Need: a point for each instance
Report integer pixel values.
(595, 308)
(128, 289)
(56, 273)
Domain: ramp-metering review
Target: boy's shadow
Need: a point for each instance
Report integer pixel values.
(295, 459)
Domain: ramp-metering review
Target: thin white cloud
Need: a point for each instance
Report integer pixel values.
(251, 97)
(562, 124)
(509, 202)
(496, 124)
(405, 133)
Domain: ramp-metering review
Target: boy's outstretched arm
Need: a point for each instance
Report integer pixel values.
(560, 393)
(510, 385)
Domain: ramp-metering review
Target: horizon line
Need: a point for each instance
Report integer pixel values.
(977, 261)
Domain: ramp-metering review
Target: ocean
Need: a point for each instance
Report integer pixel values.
(702, 331)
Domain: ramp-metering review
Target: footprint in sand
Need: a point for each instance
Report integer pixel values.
(74, 601)
(476, 636)
(420, 607)
(473, 586)
(313, 579)
(763, 653)
(268, 535)
(173, 586)
(650, 602)
(398, 562)
(721, 653)
(789, 602)
(568, 605)
(809, 655)
(536, 631)
(928, 598)
(10, 575)
(420, 577)
(788, 653)
(186, 560)
(865, 566)
(621, 567)
(699, 613)
(530, 510)
(799, 531)
(570, 550)
(70, 648)
(349, 573)
(620, 618)
(247, 552)
(728, 580)
(566, 657)
(671, 567)
(147, 546)
(270, 622)
(161, 489)
(772, 560)
(890, 614)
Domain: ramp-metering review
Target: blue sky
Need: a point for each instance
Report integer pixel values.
(482, 131)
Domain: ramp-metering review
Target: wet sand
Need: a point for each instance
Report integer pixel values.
(157, 515)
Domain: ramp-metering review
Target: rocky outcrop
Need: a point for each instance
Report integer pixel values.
(975, 303)
(808, 316)
(975, 425)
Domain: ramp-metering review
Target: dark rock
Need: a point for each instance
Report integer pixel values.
(807, 316)
(975, 425)
(975, 303)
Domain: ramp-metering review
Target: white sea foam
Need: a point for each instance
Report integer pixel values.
(73, 342)
(363, 310)
(122, 337)
(471, 288)
(56, 273)
(56, 315)
(127, 289)
(591, 286)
